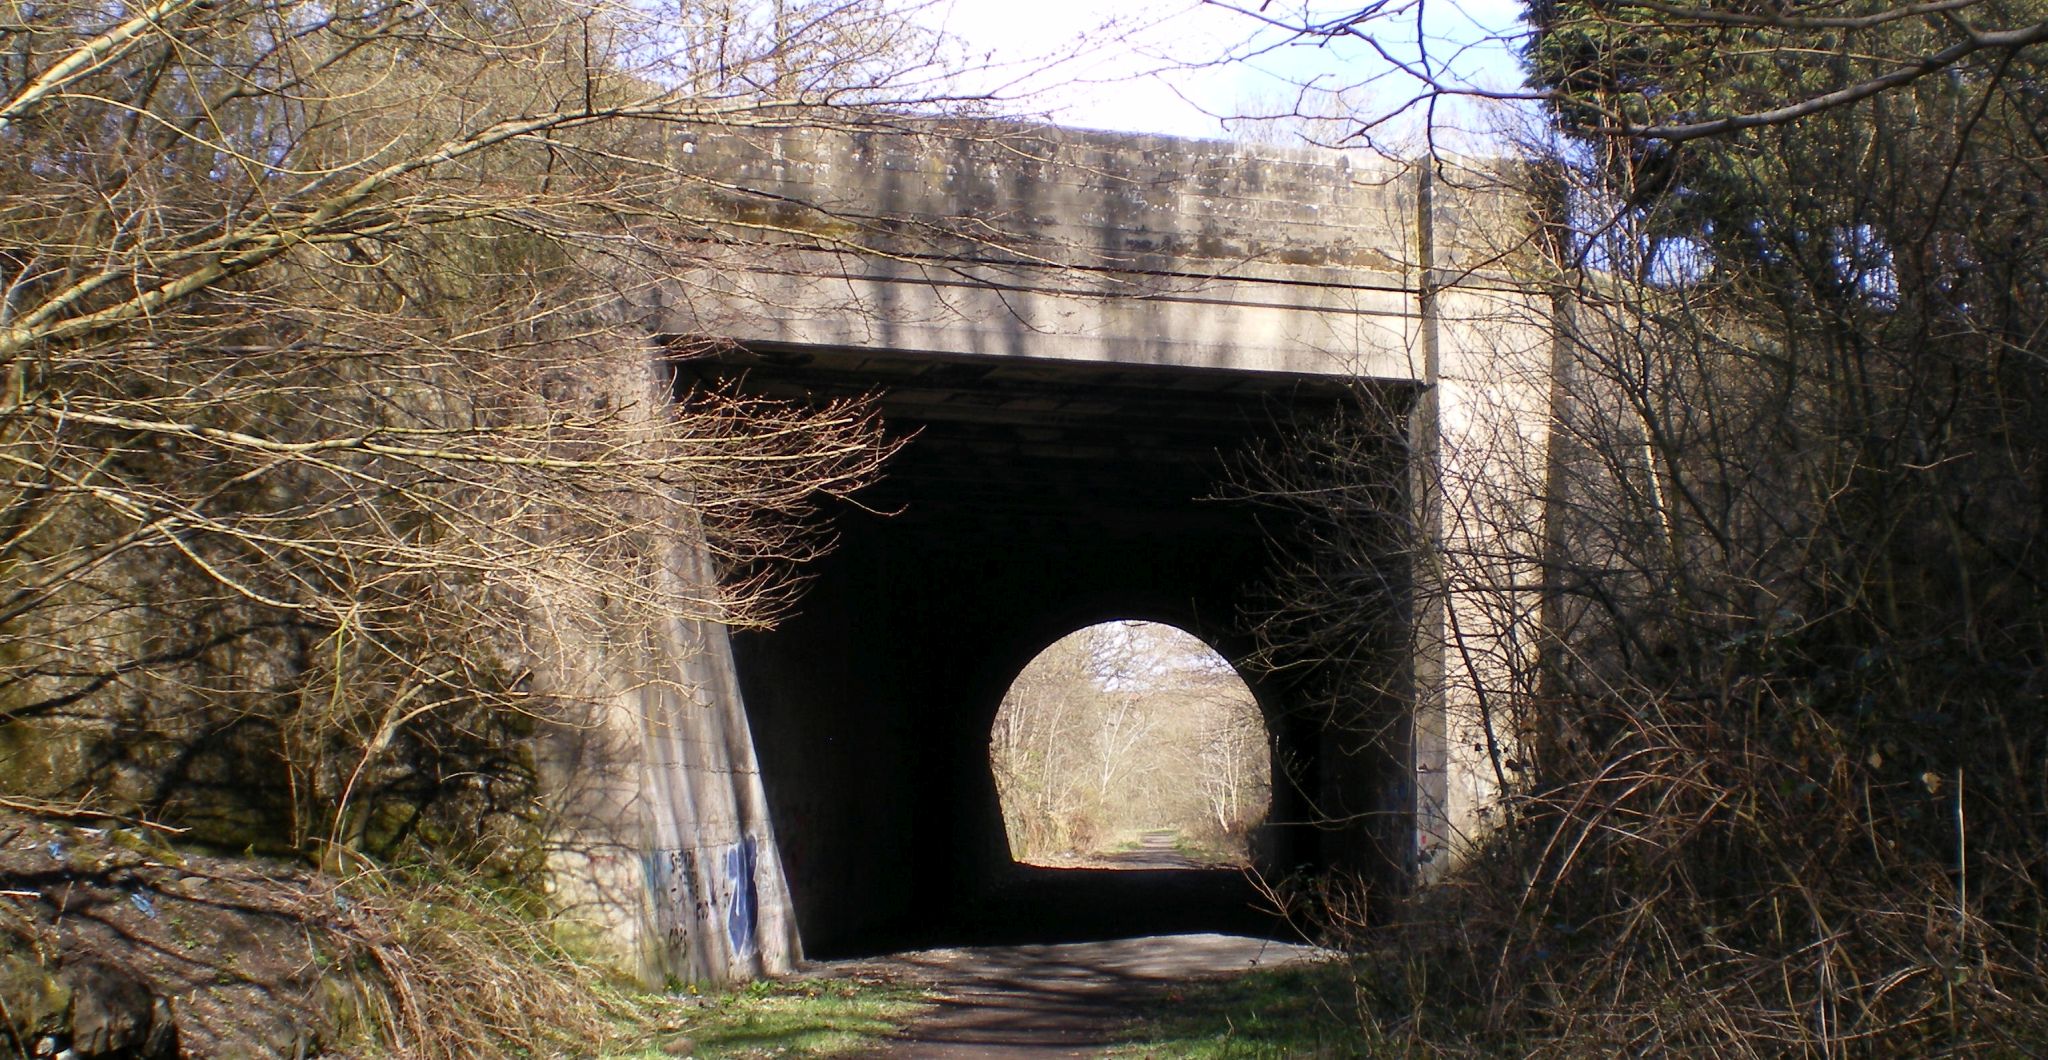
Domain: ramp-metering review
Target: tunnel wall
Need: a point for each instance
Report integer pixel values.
(874, 708)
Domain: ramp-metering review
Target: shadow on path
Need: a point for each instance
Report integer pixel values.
(1138, 892)
(1056, 1000)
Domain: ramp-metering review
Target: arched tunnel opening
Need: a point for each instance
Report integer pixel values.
(1033, 499)
(1131, 745)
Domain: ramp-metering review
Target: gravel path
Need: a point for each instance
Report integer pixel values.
(1053, 1000)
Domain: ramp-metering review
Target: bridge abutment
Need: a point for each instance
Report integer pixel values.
(1081, 336)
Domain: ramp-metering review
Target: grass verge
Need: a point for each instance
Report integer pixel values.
(792, 1017)
(1297, 1011)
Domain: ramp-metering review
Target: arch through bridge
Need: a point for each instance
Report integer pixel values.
(1077, 331)
(1033, 499)
(1130, 744)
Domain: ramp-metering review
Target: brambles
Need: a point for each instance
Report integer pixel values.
(1776, 757)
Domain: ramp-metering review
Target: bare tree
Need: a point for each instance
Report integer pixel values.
(319, 391)
(1233, 767)
(1124, 727)
(1034, 752)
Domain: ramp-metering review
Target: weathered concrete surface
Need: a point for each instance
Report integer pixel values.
(661, 842)
(1488, 340)
(998, 239)
(1077, 331)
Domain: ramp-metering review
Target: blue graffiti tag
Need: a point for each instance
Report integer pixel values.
(739, 914)
(668, 874)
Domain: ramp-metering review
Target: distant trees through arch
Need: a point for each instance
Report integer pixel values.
(1130, 737)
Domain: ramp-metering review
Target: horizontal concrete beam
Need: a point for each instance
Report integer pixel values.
(994, 239)
(955, 309)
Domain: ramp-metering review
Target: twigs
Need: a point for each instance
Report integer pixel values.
(333, 447)
(1784, 758)
(82, 811)
(423, 941)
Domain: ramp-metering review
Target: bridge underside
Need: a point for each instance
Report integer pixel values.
(1033, 498)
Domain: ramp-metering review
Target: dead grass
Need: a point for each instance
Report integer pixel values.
(1685, 889)
(267, 958)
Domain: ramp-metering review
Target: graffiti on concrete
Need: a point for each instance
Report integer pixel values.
(671, 877)
(742, 903)
(677, 878)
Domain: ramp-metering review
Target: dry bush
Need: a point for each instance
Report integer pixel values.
(1790, 754)
(1786, 762)
(447, 967)
(1784, 787)
(1779, 756)
(111, 937)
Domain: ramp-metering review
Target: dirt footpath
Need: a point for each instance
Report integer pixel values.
(1053, 1000)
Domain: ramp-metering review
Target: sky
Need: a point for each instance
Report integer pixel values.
(1182, 67)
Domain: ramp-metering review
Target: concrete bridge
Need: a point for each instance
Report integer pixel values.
(1079, 333)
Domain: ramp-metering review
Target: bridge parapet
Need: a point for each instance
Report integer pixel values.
(1036, 194)
(1003, 239)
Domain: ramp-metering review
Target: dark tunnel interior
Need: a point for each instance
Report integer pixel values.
(1032, 499)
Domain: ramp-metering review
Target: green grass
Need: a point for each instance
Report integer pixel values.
(794, 1017)
(1302, 1011)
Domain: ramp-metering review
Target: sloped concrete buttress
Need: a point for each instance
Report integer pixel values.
(661, 851)
(664, 851)
(714, 873)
